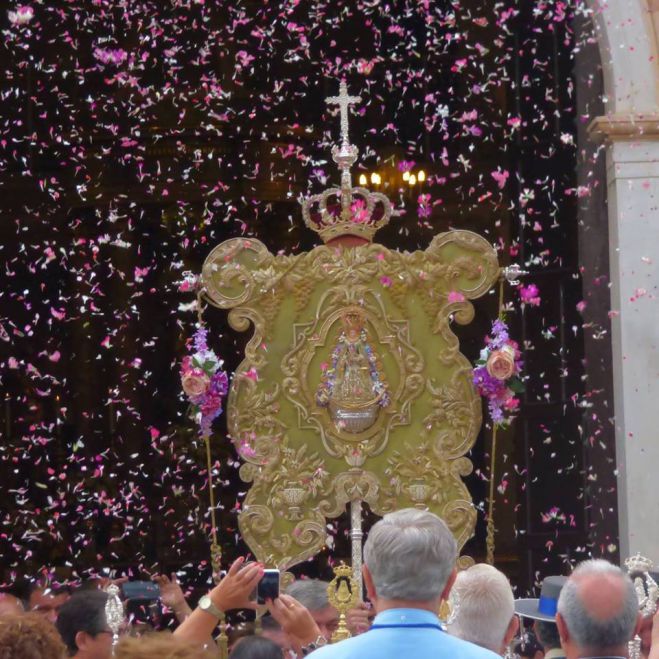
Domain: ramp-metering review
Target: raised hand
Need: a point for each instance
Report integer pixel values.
(359, 619)
(294, 619)
(172, 595)
(234, 591)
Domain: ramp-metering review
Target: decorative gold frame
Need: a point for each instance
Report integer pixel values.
(303, 469)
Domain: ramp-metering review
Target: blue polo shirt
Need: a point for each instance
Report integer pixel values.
(404, 634)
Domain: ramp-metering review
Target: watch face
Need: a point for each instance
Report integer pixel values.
(205, 603)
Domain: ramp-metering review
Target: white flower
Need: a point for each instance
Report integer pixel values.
(525, 196)
(22, 16)
(208, 357)
(190, 306)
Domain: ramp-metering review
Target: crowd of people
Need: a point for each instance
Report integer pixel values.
(409, 571)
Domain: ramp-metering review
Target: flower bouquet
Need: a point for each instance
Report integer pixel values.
(204, 382)
(497, 374)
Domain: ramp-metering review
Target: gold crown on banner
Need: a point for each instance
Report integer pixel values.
(342, 571)
(346, 210)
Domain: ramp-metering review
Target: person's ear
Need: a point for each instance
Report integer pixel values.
(563, 631)
(368, 582)
(82, 640)
(511, 632)
(449, 584)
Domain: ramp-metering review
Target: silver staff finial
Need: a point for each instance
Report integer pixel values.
(114, 611)
(513, 273)
(647, 589)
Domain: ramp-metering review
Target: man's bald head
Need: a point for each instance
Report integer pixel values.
(602, 594)
(599, 606)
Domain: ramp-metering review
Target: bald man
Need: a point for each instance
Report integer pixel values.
(597, 612)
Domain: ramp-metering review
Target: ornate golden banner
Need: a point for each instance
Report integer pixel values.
(304, 407)
(353, 388)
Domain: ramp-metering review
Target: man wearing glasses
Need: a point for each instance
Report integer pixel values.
(82, 625)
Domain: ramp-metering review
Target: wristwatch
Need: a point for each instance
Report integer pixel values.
(318, 643)
(206, 604)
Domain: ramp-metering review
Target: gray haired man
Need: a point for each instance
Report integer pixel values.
(597, 611)
(312, 594)
(409, 567)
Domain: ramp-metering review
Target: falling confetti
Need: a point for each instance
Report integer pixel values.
(136, 136)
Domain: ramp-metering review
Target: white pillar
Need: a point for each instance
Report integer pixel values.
(633, 194)
(628, 47)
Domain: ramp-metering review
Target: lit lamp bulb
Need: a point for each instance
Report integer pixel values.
(412, 179)
(362, 179)
(375, 178)
(406, 176)
(421, 176)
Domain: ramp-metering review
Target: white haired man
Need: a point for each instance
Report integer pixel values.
(485, 613)
(597, 611)
(409, 567)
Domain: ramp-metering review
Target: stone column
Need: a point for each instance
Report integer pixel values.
(633, 194)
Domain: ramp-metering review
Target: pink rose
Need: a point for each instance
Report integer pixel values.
(501, 363)
(195, 382)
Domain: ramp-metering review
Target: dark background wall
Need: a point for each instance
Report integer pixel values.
(135, 136)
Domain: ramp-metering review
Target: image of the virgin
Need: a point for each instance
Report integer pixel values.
(353, 394)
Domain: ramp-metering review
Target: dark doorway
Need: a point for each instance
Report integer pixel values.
(137, 137)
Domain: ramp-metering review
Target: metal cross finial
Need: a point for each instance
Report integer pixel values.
(344, 101)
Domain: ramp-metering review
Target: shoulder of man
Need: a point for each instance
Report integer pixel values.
(467, 650)
(353, 647)
(338, 650)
